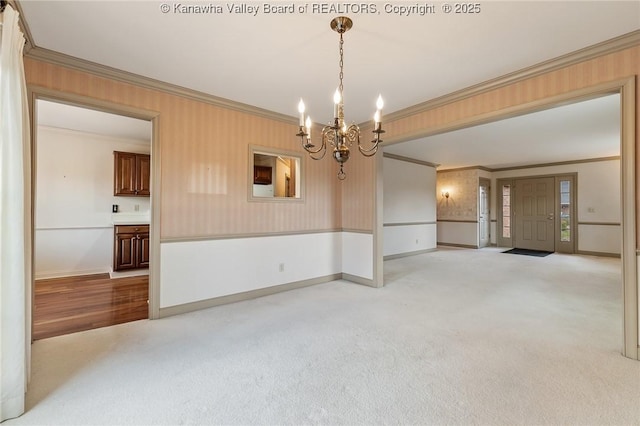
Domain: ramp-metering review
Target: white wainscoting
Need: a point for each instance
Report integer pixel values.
(599, 238)
(357, 254)
(458, 233)
(401, 239)
(73, 251)
(193, 271)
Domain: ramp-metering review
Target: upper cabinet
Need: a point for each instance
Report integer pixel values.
(132, 174)
(262, 175)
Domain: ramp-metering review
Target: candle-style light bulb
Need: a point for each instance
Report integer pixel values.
(301, 111)
(337, 98)
(308, 125)
(379, 102)
(376, 117)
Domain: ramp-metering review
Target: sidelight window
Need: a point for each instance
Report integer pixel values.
(565, 211)
(506, 211)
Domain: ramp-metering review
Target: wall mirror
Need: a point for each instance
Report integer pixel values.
(274, 175)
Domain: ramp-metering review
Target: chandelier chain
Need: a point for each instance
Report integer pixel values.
(341, 62)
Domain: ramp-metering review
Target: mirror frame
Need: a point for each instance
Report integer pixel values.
(257, 149)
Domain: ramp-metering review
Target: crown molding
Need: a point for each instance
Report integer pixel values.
(409, 160)
(559, 163)
(533, 166)
(622, 42)
(462, 169)
(67, 61)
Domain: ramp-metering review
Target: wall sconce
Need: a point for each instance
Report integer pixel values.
(445, 193)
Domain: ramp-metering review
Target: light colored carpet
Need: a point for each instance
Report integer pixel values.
(455, 337)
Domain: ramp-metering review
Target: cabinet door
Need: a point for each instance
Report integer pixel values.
(143, 175)
(124, 173)
(124, 254)
(143, 250)
(262, 175)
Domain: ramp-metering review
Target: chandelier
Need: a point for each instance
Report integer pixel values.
(337, 134)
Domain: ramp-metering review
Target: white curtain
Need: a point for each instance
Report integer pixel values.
(15, 294)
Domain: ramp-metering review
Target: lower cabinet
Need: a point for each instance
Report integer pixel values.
(131, 247)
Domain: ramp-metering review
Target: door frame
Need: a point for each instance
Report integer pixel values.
(36, 93)
(560, 247)
(484, 182)
(626, 87)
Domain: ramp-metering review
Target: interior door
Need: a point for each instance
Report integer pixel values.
(483, 214)
(534, 214)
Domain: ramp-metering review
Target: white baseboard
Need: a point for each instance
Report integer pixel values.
(409, 253)
(247, 295)
(131, 273)
(59, 274)
(358, 280)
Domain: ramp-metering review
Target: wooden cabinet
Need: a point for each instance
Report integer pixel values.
(262, 175)
(131, 247)
(132, 174)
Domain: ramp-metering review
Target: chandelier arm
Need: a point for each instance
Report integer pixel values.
(368, 152)
(324, 152)
(374, 146)
(307, 147)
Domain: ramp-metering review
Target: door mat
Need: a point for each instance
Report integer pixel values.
(527, 252)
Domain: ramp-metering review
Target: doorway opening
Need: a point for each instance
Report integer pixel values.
(76, 209)
(625, 143)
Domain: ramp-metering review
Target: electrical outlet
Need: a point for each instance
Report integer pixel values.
(136, 207)
(281, 267)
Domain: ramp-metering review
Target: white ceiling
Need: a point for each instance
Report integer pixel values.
(271, 60)
(70, 117)
(585, 130)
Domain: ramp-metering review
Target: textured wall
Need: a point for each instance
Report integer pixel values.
(462, 204)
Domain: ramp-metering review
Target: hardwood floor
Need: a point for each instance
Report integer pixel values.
(71, 304)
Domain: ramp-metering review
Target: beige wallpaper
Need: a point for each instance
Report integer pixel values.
(462, 186)
(357, 192)
(205, 155)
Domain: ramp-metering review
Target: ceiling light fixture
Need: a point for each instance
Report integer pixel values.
(338, 134)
